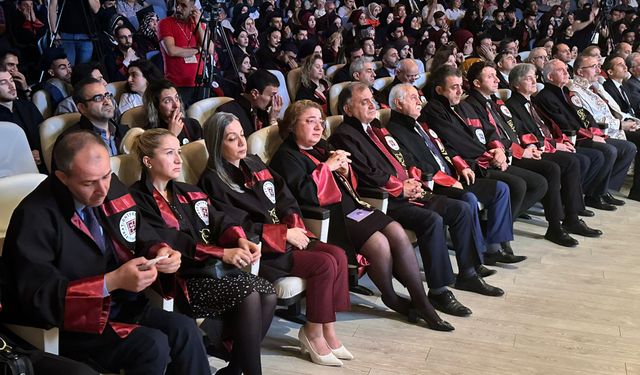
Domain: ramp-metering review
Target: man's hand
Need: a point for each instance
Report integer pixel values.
(276, 106)
(599, 139)
(412, 188)
(468, 175)
(251, 247)
(20, 80)
(629, 125)
(36, 156)
(298, 237)
(172, 263)
(532, 152)
(499, 156)
(238, 257)
(130, 277)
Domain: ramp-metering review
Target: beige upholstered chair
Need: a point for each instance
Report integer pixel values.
(331, 71)
(117, 89)
(332, 122)
(126, 167)
(15, 152)
(50, 129)
(203, 109)
(194, 161)
(381, 83)
(126, 145)
(135, 117)
(334, 93)
(384, 115)
(42, 100)
(282, 91)
(504, 94)
(293, 82)
(264, 143)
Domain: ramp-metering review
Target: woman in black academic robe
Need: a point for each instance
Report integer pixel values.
(213, 251)
(318, 175)
(247, 190)
(165, 110)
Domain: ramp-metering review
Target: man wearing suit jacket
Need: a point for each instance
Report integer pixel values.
(632, 85)
(422, 147)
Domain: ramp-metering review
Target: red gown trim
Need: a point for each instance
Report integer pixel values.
(263, 175)
(548, 147)
(444, 179)
(86, 309)
(118, 205)
(394, 186)
(516, 150)
(495, 144)
(459, 163)
(165, 211)
(275, 237)
(528, 139)
(206, 251)
(197, 195)
(123, 329)
(327, 188)
(231, 235)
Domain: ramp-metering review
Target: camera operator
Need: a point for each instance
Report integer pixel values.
(180, 46)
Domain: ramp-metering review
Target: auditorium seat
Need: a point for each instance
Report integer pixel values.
(384, 115)
(203, 109)
(282, 91)
(539, 86)
(117, 89)
(264, 143)
(331, 71)
(504, 94)
(331, 123)
(42, 100)
(421, 81)
(334, 92)
(15, 152)
(135, 117)
(50, 129)
(126, 145)
(380, 83)
(293, 82)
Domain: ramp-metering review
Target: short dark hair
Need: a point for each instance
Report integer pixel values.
(82, 71)
(78, 89)
(503, 44)
(608, 62)
(69, 144)
(476, 69)
(479, 38)
(149, 70)
(441, 74)
(9, 51)
(554, 49)
(347, 93)
(260, 79)
(117, 29)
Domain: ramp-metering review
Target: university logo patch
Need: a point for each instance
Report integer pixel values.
(128, 226)
(270, 191)
(202, 210)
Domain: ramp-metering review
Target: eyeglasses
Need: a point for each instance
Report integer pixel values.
(541, 57)
(590, 66)
(99, 98)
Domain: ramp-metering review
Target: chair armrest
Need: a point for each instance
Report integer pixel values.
(373, 193)
(43, 339)
(316, 219)
(314, 213)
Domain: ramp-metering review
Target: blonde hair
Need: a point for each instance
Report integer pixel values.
(146, 143)
(305, 69)
(293, 113)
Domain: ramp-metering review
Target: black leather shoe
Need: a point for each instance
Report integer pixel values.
(586, 213)
(611, 200)
(635, 197)
(477, 285)
(440, 325)
(581, 228)
(448, 304)
(561, 237)
(490, 259)
(484, 271)
(599, 203)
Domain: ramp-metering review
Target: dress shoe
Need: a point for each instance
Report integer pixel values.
(581, 228)
(599, 203)
(611, 200)
(484, 271)
(477, 285)
(440, 325)
(561, 237)
(342, 353)
(490, 259)
(586, 213)
(448, 304)
(634, 197)
(324, 360)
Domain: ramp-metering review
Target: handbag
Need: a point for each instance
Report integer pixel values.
(12, 361)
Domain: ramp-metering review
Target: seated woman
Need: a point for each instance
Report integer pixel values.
(233, 83)
(249, 192)
(313, 86)
(318, 175)
(213, 250)
(141, 72)
(164, 110)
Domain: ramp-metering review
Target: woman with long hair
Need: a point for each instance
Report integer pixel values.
(253, 195)
(140, 73)
(319, 175)
(313, 86)
(214, 252)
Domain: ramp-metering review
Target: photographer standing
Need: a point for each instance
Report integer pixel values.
(75, 30)
(180, 42)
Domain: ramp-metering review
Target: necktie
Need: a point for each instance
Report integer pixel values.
(493, 120)
(434, 150)
(626, 100)
(91, 221)
(541, 125)
(401, 173)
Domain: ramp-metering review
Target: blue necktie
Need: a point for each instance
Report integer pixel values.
(91, 221)
(434, 150)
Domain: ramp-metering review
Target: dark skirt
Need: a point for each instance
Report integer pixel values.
(210, 297)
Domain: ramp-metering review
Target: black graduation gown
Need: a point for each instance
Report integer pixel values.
(56, 273)
(241, 108)
(312, 183)
(266, 207)
(310, 93)
(191, 131)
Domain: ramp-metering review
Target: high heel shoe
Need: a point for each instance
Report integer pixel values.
(342, 353)
(324, 360)
(441, 325)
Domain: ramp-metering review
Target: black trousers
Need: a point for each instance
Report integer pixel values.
(525, 187)
(591, 171)
(618, 155)
(164, 340)
(428, 222)
(634, 137)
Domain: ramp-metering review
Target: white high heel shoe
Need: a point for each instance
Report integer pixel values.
(342, 353)
(324, 360)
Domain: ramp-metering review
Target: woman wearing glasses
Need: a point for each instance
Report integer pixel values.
(164, 110)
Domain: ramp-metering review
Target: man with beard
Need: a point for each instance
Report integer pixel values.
(58, 68)
(122, 55)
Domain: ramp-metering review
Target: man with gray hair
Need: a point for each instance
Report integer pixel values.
(538, 57)
(363, 70)
(378, 162)
(424, 149)
(408, 72)
(632, 85)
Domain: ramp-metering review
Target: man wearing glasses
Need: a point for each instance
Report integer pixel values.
(95, 104)
(538, 57)
(408, 72)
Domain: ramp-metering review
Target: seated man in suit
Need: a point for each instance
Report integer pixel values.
(363, 70)
(504, 63)
(422, 147)
(632, 84)
(408, 72)
(379, 163)
(620, 151)
(389, 57)
(259, 105)
(353, 52)
(618, 101)
(85, 266)
(558, 106)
